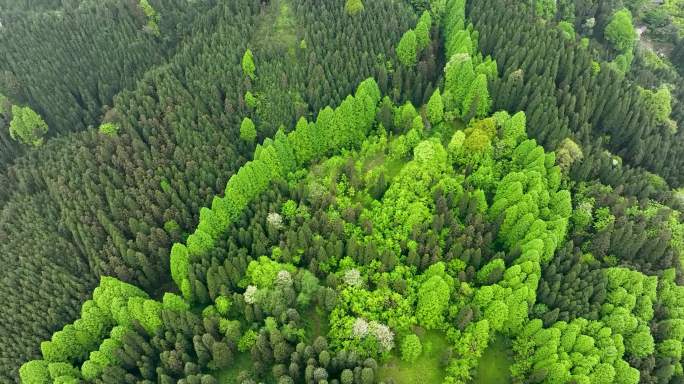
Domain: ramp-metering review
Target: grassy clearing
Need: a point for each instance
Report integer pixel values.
(316, 323)
(278, 27)
(426, 370)
(494, 364)
(243, 362)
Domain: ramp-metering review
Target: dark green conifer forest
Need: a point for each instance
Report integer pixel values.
(341, 191)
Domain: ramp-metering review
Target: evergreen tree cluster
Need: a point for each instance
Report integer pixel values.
(304, 191)
(551, 79)
(119, 197)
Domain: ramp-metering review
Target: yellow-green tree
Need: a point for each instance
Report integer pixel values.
(27, 126)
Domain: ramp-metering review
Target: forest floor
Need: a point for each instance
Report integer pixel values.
(316, 323)
(494, 364)
(426, 370)
(242, 362)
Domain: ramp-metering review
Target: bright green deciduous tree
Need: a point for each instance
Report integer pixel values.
(248, 130)
(27, 126)
(433, 300)
(353, 7)
(477, 102)
(568, 30)
(250, 100)
(248, 66)
(659, 103)
(545, 9)
(567, 153)
(34, 372)
(458, 75)
(423, 30)
(435, 108)
(179, 263)
(411, 348)
(620, 30)
(407, 50)
(109, 129)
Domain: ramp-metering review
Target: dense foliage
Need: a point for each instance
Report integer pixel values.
(353, 192)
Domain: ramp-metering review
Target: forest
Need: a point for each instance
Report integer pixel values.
(341, 192)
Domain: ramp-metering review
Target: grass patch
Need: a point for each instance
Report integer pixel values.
(426, 370)
(316, 323)
(495, 363)
(278, 27)
(242, 362)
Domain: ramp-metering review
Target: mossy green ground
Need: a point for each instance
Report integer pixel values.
(426, 370)
(494, 364)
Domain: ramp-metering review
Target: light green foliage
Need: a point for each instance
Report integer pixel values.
(411, 348)
(659, 103)
(435, 108)
(456, 145)
(353, 7)
(109, 129)
(620, 30)
(145, 311)
(248, 67)
(62, 369)
(247, 341)
(231, 329)
(545, 9)
(100, 359)
(405, 115)
(174, 302)
(309, 286)
(179, 263)
(584, 42)
(152, 17)
(603, 218)
(27, 126)
(568, 30)
(407, 49)
(459, 74)
(289, 209)
(66, 380)
(567, 153)
(223, 305)
(497, 314)
(485, 273)
(34, 372)
(478, 139)
(487, 68)
(433, 300)
(630, 308)
(623, 62)
(248, 130)
(423, 31)
(75, 341)
(477, 101)
(250, 100)
(514, 129)
(263, 272)
(580, 350)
